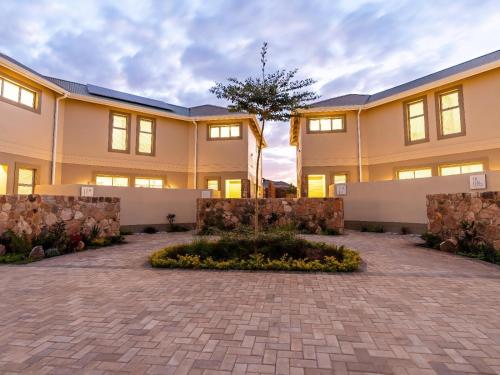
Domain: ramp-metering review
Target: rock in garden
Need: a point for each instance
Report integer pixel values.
(80, 246)
(2, 250)
(450, 245)
(37, 253)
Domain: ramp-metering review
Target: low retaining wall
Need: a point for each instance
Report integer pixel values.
(32, 213)
(312, 214)
(446, 212)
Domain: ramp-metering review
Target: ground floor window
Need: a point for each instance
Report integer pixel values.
(449, 170)
(316, 186)
(340, 178)
(233, 188)
(409, 174)
(25, 181)
(3, 179)
(213, 184)
(155, 183)
(111, 180)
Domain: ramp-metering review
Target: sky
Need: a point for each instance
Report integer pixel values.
(176, 50)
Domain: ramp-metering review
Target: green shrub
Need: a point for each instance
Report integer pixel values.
(125, 232)
(431, 240)
(53, 252)
(472, 244)
(17, 243)
(13, 258)
(150, 230)
(331, 232)
(374, 228)
(283, 251)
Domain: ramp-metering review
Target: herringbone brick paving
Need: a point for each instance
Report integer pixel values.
(411, 311)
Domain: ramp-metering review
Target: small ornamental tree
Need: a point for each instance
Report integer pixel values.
(272, 97)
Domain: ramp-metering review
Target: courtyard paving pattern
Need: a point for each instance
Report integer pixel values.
(410, 311)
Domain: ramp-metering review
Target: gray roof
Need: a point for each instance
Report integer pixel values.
(102, 92)
(356, 99)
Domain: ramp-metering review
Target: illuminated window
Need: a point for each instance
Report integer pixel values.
(3, 179)
(119, 132)
(415, 121)
(111, 181)
(224, 131)
(326, 124)
(145, 136)
(409, 174)
(340, 178)
(233, 188)
(17, 93)
(450, 113)
(155, 183)
(449, 170)
(213, 184)
(25, 181)
(316, 186)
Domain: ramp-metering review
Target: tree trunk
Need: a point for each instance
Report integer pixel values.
(256, 198)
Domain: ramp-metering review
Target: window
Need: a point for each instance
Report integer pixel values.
(119, 132)
(316, 186)
(340, 178)
(111, 180)
(3, 179)
(146, 137)
(233, 188)
(450, 114)
(232, 131)
(408, 174)
(213, 184)
(154, 183)
(449, 170)
(20, 95)
(326, 124)
(25, 181)
(416, 126)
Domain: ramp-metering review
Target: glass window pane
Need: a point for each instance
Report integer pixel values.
(340, 179)
(337, 123)
(104, 180)
(314, 125)
(224, 131)
(325, 124)
(423, 173)
(316, 186)
(145, 143)
(120, 181)
(214, 132)
(417, 128)
(472, 168)
(24, 190)
(11, 91)
(233, 188)
(451, 121)
(120, 121)
(406, 175)
(156, 184)
(235, 131)
(26, 176)
(449, 100)
(416, 108)
(451, 170)
(146, 126)
(3, 179)
(213, 184)
(28, 98)
(119, 141)
(141, 182)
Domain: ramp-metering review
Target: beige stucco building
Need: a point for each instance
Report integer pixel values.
(54, 131)
(442, 124)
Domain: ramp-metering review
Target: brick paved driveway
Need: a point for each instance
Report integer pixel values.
(412, 311)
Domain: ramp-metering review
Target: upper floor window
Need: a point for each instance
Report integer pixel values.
(330, 124)
(408, 174)
(231, 131)
(449, 170)
(450, 113)
(213, 184)
(25, 181)
(146, 136)
(416, 126)
(340, 178)
(104, 180)
(15, 93)
(155, 183)
(119, 132)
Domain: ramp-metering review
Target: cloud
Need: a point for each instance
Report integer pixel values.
(176, 50)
